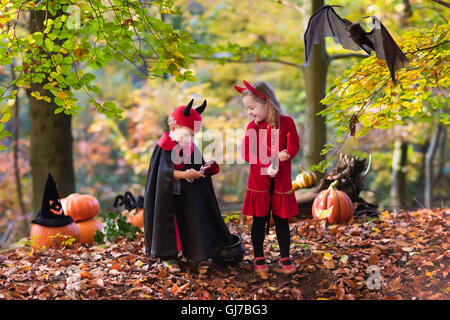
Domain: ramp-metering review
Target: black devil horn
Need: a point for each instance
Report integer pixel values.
(201, 108)
(187, 110)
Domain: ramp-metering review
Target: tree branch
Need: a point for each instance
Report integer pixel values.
(428, 48)
(347, 55)
(445, 4)
(292, 64)
(289, 4)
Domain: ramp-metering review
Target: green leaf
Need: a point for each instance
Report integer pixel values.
(86, 78)
(5, 133)
(303, 245)
(116, 226)
(58, 58)
(38, 38)
(95, 89)
(6, 117)
(59, 101)
(35, 94)
(99, 237)
(59, 110)
(109, 106)
(48, 45)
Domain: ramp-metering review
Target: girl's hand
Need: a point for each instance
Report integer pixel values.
(193, 174)
(283, 155)
(271, 171)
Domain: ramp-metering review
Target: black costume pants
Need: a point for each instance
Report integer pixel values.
(281, 227)
(282, 231)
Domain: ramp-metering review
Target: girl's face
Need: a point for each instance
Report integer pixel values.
(256, 110)
(181, 134)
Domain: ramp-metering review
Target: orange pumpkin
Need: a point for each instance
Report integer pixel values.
(333, 205)
(88, 228)
(81, 206)
(135, 218)
(45, 237)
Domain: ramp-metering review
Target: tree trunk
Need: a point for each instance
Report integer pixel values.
(419, 185)
(399, 162)
(429, 172)
(315, 86)
(18, 177)
(51, 137)
(350, 173)
(441, 157)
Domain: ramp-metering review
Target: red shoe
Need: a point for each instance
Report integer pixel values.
(260, 264)
(287, 266)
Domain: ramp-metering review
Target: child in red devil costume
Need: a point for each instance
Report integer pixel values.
(270, 142)
(181, 212)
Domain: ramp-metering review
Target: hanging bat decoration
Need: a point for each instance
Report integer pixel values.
(327, 23)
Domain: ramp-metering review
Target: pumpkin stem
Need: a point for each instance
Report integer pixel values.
(333, 185)
(301, 168)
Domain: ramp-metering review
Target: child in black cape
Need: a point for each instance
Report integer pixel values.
(181, 212)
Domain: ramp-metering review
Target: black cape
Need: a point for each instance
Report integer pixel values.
(202, 230)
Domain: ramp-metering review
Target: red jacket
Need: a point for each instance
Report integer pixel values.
(257, 198)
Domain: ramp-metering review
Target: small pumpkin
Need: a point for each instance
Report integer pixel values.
(81, 206)
(333, 205)
(134, 210)
(135, 217)
(87, 229)
(306, 179)
(51, 227)
(43, 237)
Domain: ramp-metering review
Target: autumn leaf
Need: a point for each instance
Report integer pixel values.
(327, 256)
(335, 267)
(85, 275)
(329, 264)
(98, 282)
(62, 94)
(352, 124)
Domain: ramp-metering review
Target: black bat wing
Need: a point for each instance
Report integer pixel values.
(325, 22)
(386, 48)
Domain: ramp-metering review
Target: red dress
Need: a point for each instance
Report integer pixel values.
(256, 149)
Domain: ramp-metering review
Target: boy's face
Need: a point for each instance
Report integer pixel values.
(256, 110)
(181, 134)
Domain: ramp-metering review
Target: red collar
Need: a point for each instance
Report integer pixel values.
(166, 142)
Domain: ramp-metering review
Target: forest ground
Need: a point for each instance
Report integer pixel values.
(393, 256)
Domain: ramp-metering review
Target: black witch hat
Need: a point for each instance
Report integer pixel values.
(51, 213)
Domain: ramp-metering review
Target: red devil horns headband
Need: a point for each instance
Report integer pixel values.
(249, 87)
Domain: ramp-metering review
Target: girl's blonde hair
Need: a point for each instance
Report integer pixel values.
(272, 104)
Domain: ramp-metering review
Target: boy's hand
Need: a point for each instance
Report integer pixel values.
(193, 174)
(283, 155)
